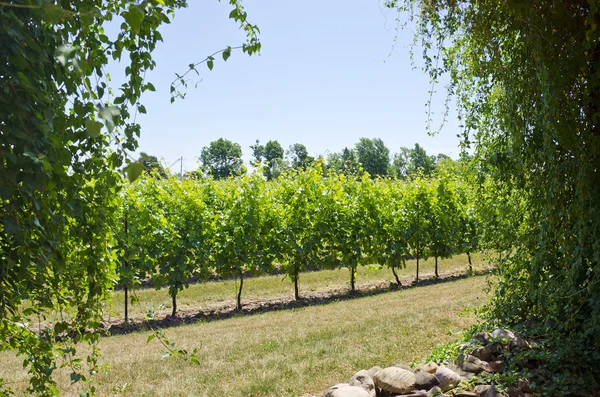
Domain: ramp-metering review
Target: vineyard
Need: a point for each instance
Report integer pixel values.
(177, 230)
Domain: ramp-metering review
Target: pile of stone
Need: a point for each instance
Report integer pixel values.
(485, 353)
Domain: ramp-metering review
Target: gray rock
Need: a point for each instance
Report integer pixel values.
(434, 392)
(470, 363)
(373, 370)
(487, 391)
(468, 346)
(344, 390)
(483, 337)
(519, 343)
(483, 353)
(364, 380)
(465, 394)
(402, 366)
(464, 375)
(430, 367)
(448, 379)
(414, 393)
(425, 380)
(395, 380)
(502, 333)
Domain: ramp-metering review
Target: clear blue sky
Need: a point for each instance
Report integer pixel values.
(324, 78)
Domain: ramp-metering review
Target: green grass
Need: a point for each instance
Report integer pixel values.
(204, 294)
(285, 353)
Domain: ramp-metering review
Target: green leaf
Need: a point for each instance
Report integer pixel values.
(84, 393)
(210, 63)
(93, 128)
(134, 170)
(150, 87)
(52, 13)
(227, 53)
(152, 336)
(165, 355)
(108, 113)
(142, 109)
(134, 17)
(75, 377)
(10, 226)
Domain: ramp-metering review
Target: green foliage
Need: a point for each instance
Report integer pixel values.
(222, 159)
(298, 156)
(525, 76)
(373, 155)
(65, 135)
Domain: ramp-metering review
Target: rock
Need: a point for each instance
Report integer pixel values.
(430, 367)
(483, 353)
(502, 333)
(494, 367)
(487, 391)
(470, 363)
(525, 387)
(362, 379)
(373, 370)
(402, 366)
(469, 345)
(464, 375)
(484, 337)
(514, 392)
(395, 380)
(519, 343)
(425, 380)
(448, 379)
(414, 393)
(434, 392)
(345, 390)
(465, 394)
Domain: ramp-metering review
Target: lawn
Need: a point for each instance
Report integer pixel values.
(285, 353)
(201, 295)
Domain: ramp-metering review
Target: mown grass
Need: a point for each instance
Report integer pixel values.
(201, 295)
(285, 353)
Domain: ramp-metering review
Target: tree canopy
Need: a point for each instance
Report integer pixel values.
(526, 78)
(222, 159)
(373, 155)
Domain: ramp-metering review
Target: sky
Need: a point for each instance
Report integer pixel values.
(329, 73)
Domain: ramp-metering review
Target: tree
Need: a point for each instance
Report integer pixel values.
(64, 137)
(222, 159)
(272, 156)
(526, 79)
(373, 155)
(400, 163)
(298, 156)
(152, 164)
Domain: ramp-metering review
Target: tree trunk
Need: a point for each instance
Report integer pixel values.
(352, 278)
(239, 295)
(174, 299)
(296, 292)
(126, 305)
(436, 268)
(417, 264)
(470, 263)
(396, 275)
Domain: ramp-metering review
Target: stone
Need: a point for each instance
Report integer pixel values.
(373, 370)
(434, 392)
(430, 367)
(464, 375)
(519, 343)
(345, 390)
(364, 380)
(494, 367)
(470, 363)
(483, 353)
(414, 393)
(468, 346)
(406, 367)
(502, 333)
(487, 391)
(484, 337)
(448, 379)
(514, 392)
(425, 380)
(395, 380)
(465, 394)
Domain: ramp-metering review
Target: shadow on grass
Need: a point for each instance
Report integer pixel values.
(228, 310)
